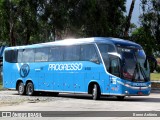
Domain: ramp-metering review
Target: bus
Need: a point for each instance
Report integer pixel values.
(96, 66)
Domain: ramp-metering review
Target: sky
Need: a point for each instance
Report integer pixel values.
(136, 11)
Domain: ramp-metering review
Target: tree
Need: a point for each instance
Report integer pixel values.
(141, 36)
(150, 20)
(128, 21)
(4, 23)
(34, 21)
(19, 17)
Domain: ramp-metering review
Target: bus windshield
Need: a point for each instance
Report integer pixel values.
(134, 64)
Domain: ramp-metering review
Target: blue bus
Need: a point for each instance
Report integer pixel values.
(96, 66)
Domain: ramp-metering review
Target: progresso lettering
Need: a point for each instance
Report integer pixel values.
(71, 66)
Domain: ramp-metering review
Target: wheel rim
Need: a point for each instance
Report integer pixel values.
(94, 93)
(21, 88)
(30, 89)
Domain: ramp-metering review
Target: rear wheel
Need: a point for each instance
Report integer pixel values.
(95, 92)
(21, 88)
(30, 89)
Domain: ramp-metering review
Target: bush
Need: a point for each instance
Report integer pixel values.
(158, 69)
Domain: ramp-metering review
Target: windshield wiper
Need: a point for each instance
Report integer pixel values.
(134, 73)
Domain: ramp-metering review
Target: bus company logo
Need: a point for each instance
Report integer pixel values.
(24, 70)
(67, 67)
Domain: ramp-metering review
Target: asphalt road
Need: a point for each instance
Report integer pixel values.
(82, 103)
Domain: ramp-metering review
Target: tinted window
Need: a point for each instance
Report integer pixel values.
(41, 54)
(56, 54)
(20, 56)
(105, 48)
(11, 56)
(28, 55)
(71, 53)
(114, 68)
(88, 53)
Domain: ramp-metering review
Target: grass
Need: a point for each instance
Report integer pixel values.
(155, 76)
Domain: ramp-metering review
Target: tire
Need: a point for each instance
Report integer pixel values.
(30, 89)
(120, 97)
(96, 92)
(21, 88)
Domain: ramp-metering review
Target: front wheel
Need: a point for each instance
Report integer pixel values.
(21, 88)
(30, 89)
(95, 92)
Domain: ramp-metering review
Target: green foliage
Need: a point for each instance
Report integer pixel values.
(34, 21)
(148, 33)
(150, 22)
(158, 69)
(100, 18)
(142, 36)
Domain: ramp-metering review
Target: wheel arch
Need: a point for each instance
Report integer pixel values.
(91, 85)
(29, 81)
(18, 81)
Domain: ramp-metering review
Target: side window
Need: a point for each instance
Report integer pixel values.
(28, 55)
(111, 48)
(11, 56)
(88, 53)
(55, 54)
(71, 53)
(114, 67)
(104, 49)
(20, 56)
(41, 54)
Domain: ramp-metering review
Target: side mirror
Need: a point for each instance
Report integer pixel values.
(153, 60)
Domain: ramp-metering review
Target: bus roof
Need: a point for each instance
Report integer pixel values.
(109, 40)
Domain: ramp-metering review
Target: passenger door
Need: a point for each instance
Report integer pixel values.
(115, 71)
